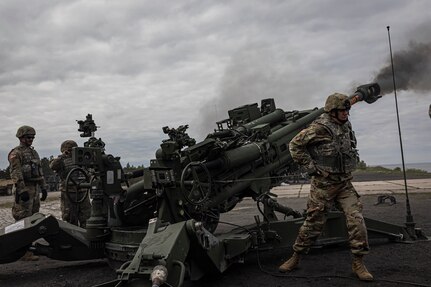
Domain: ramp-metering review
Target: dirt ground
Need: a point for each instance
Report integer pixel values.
(394, 264)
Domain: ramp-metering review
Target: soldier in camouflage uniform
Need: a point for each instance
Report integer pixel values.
(327, 149)
(75, 204)
(26, 173)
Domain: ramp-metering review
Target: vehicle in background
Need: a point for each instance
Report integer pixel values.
(6, 186)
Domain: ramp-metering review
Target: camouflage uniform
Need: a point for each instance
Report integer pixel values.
(75, 204)
(26, 172)
(328, 150)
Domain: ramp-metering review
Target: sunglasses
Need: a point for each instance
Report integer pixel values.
(29, 137)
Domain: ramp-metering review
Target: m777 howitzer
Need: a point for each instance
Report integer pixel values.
(164, 227)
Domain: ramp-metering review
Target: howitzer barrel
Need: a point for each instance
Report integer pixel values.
(368, 93)
(242, 155)
(280, 137)
(299, 124)
(236, 157)
(249, 152)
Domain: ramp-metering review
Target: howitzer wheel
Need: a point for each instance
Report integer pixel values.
(197, 190)
(76, 178)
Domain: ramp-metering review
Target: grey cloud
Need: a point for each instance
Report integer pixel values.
(140, 65)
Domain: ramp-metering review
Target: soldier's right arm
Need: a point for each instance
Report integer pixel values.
(14, 158)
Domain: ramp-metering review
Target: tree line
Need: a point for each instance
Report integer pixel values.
(47, 171)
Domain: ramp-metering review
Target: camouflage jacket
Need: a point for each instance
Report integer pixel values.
(62, 165)
(25, 166)
(326, 146)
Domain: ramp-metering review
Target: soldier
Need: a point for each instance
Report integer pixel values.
(75, 204)
(26, 173)
(327, 149)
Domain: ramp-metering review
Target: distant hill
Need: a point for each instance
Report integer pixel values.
(371, 173)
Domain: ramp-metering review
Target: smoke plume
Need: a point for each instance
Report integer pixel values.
(412, 70)
(255, 73)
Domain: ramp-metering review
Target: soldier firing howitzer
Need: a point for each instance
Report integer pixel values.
(228, 171)
(246, 159)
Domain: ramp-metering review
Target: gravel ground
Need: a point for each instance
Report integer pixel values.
(394, 264)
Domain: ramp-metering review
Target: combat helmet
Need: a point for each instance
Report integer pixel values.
(337, 101)
(68, 144)
(25, 130)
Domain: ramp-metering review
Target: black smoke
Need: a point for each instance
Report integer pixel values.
(412, 70)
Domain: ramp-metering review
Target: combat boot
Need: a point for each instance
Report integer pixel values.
(290, 264)
(360, 270)
(29, 256)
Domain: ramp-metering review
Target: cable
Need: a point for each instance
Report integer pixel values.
(260, 199)
(236, 225)
(250, 179)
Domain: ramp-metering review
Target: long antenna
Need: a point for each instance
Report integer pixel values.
(409, 217)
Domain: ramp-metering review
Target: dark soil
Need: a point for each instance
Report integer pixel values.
(52, 273)
(394, 264)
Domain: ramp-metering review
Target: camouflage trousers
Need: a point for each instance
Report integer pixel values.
(74, 208)
(323, 195)
(25, 209)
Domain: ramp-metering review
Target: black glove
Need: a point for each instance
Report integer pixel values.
(44, 194)
(23, 196)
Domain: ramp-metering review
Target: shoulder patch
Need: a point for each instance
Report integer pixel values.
(11, 155)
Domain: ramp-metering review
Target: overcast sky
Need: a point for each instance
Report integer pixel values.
(140, 65)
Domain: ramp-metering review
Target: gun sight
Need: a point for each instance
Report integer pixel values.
(87, 127)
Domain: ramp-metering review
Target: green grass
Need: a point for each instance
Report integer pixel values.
(397, 170)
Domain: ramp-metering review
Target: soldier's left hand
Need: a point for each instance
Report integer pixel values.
(322, 173)
(44, 194)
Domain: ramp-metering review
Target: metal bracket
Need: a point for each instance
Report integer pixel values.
(381, 199)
